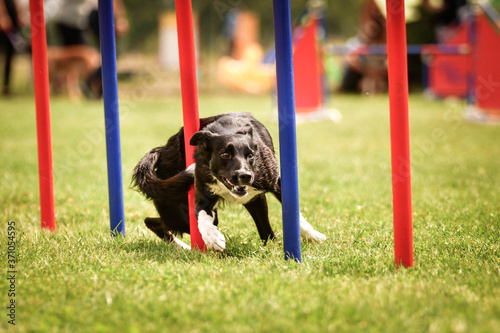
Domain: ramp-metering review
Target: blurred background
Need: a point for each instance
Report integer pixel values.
(234, 42)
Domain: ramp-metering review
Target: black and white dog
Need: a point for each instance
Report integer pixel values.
(234, 162)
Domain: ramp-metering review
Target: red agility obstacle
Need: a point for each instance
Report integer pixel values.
(187, 63)
(475, 74)
(308, 71)
(42, 98)
(400, 142)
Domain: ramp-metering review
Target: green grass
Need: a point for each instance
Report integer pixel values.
(80, 279)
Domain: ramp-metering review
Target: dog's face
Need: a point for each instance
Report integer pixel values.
(230, 158)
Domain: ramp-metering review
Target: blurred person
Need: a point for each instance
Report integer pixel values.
(74, 21)
(445, 14)
(229, 29)
(120, 18)
(121, 28)
(12, 19)
(73, 61)
(367, 73)
(71, 20)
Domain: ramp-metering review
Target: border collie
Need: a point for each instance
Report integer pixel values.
(234, 162)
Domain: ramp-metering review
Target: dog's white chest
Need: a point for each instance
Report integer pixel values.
(219, 189)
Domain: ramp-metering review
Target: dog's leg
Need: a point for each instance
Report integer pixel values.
(156, 225)
(72, 79)
(209, 233)
(259, 212)
(180, 243)
(307, 232)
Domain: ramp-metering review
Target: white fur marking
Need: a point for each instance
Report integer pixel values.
(222, 191)
(209, 233)
(308, 232)
(190, 169)
(181, 244)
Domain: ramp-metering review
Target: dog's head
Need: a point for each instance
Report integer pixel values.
(229, 157)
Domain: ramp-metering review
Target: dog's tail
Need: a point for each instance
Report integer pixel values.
(144, 177)
(145, 180)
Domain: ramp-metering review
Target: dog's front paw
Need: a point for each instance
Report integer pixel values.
(308, 233)
(314, 236)
(209, 233)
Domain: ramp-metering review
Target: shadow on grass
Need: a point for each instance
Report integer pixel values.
(238, 248)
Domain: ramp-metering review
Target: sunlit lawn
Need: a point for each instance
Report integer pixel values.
(81, 279)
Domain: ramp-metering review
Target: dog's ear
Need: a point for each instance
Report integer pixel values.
(201, 137)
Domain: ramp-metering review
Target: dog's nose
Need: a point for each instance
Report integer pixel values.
(244, 177)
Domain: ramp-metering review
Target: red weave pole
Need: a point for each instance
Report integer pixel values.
(400, 138)
(42, 98)
(187, 63)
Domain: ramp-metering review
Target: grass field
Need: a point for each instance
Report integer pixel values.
(81, 280)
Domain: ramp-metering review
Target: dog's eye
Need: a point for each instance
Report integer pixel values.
(225, 155)
(250, 156)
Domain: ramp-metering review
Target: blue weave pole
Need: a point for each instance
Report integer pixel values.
(471, 24)
(111, 114)
(288, 138)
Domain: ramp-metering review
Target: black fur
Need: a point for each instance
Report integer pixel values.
(233, 149)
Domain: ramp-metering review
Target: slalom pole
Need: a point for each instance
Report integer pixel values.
(400, 138)
(471, 25)
(288, 139)
(189, 88)
(112, 116)
(42, 100)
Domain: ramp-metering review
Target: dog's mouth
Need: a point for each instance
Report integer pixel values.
(237, 190)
